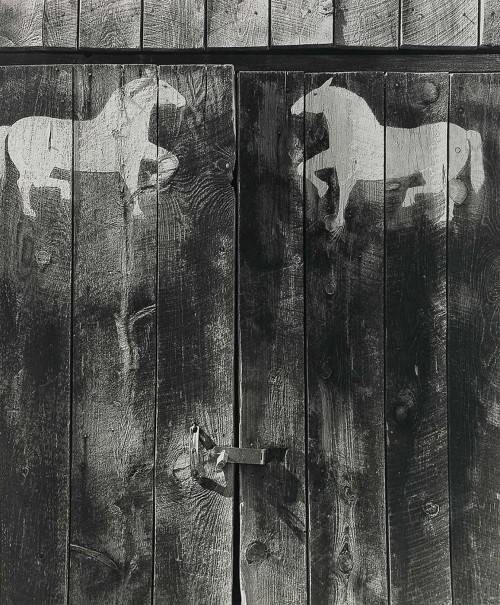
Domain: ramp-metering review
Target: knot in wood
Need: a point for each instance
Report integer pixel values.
(431, 509)
(42, 258)
(330, 288)
(256, 552)
(344, 560)
(430, 92)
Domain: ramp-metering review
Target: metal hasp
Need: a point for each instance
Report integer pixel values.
(222, 454)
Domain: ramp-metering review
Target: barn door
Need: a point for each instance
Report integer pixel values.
(329, 308)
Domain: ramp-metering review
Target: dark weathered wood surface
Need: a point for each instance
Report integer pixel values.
(439, 22)
(114, 351)
(35, 315)
(173, 24)
(473, 343)
(296, 22)
(271, 331)
(361, 23)
(244, 23)
(110, 23)
(194, 516)
(345, 340)
(416, 396)
(489, 24)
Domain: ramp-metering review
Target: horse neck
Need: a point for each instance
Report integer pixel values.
(115, 104)
(364, 116)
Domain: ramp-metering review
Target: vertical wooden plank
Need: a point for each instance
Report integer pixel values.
(60, 23)
(301, 22)
(21, 23)
(237, 24)
(194, 516)
(110, 24)
(345, 365)
(173, 24)
(38, 23)
(373, 23)
(416, 394)
(473, 368)
(271, 325)
(35, 315)
(439, 23)
(489, 24)
(114, 348)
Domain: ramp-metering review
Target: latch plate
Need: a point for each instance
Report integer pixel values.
(223, 454)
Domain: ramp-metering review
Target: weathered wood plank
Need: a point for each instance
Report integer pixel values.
(38, 23)
(473, 339)
(114, 352)
(416, 395)
(345, 338)
(271, 326)
(21, 23)
(195, 338)
(367, 23)
(243, 23)
(439, 23)
(301, 22)
(35, 315)
(110, 23)
(173, 24)
(60, 23)
(489, 24)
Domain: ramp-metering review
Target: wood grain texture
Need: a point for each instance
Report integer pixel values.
(295, 22)
(114, 351)
(473, 341)
(345, 364)
(110, 24)
(60, 23)
(21, 23)
(243, 23)
(416, 395)
(35, 315)
(271, 325)
(372, 23)
(489, 23)
(439, 23)
(173, 24)
(38, 23)
(194, 517)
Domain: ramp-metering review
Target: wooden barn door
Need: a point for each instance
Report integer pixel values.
(328, 294)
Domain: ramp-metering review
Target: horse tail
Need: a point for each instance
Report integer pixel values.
(4, 131)
(476, 159)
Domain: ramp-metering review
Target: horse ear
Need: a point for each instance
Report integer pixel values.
(329, 82)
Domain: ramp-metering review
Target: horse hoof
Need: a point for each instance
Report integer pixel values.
(138, 213)
(29, 212)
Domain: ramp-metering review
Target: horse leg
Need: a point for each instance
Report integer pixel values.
(63, 186)
(24, 183)
(168, 162)
(132, 182)
(319, 161)
(345, 191)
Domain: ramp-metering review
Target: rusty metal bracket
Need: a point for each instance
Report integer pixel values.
(222, 454)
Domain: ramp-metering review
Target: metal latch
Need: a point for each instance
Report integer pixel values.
(222, 454)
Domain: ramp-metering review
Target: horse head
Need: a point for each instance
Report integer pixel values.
(147, 91)
(314, 101)
(168, 94)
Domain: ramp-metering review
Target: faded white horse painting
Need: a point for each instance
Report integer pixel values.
(356, 136)
(114, 141)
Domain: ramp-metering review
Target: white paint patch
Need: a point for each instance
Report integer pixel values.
(115, 141)
(355, 136)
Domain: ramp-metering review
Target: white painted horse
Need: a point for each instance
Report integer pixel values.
(115, 141)
(356, 138)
